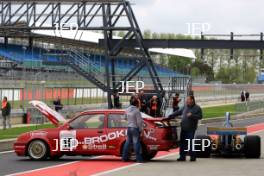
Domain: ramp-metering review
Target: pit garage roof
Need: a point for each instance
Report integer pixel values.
(93, 37)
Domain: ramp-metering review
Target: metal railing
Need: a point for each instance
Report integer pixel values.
(83, 62)
(181, 85)
(249, 106)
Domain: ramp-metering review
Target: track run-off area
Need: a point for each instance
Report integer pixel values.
(164, 164)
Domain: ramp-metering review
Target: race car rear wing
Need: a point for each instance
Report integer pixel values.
(226, 131)
(55, 117)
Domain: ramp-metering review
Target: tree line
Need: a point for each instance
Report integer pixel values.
(216, 65)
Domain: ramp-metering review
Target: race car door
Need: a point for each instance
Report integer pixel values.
(116, 130)
(90, 133)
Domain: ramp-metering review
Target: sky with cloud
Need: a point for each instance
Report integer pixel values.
(224, 16)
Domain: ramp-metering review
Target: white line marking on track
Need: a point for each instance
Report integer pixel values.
(133, 165)
(117, 169)
(258, 131)
(48, 167)
(10, 151)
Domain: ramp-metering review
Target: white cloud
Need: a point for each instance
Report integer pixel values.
(225, 16)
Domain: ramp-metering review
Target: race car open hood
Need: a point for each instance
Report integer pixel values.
(55, 117)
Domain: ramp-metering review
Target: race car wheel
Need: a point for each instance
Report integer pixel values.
(252, 146)
(200, 153)
(37, 150)
(149, 155)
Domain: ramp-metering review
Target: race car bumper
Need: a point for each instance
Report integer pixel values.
(20, 149)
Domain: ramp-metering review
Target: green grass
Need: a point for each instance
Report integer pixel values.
(218, 111)
(14, 132)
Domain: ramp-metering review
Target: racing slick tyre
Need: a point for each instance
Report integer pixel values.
(37, 150)
(252, 146)
(202, 151)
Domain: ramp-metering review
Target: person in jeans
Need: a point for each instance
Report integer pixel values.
(191, 114)
(135, 127)
(6, 109)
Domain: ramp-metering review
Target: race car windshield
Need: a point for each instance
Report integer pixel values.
(90, 121)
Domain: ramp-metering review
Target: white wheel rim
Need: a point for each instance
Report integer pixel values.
(37, 149)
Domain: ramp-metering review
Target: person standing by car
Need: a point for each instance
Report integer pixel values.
(143, 101)
(154, 106)
(117, 103)
(191, 114)
(135, 127)
(135, 96)
(6, 109)
(57, 104)
(175, 102)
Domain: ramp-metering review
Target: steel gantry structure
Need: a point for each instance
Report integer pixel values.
(19, 17)
(107, 16)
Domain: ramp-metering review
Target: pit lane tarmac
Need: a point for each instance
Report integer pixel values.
(164, 164)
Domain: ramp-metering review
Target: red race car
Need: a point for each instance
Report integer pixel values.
(93, 132)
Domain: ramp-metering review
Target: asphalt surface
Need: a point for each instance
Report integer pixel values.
(10, 163)
(214, 166)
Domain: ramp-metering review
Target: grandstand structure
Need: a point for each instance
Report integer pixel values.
(105, 66)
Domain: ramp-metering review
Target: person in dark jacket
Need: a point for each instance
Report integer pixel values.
(6, 109)
(191, 114)
(247, 96)
(242, 96)
(175, 102)
(57, 104)
(143, 101)
(117, 103)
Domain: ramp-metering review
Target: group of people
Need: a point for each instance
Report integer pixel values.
(149, 105)
(191, 113)
(244, 96)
